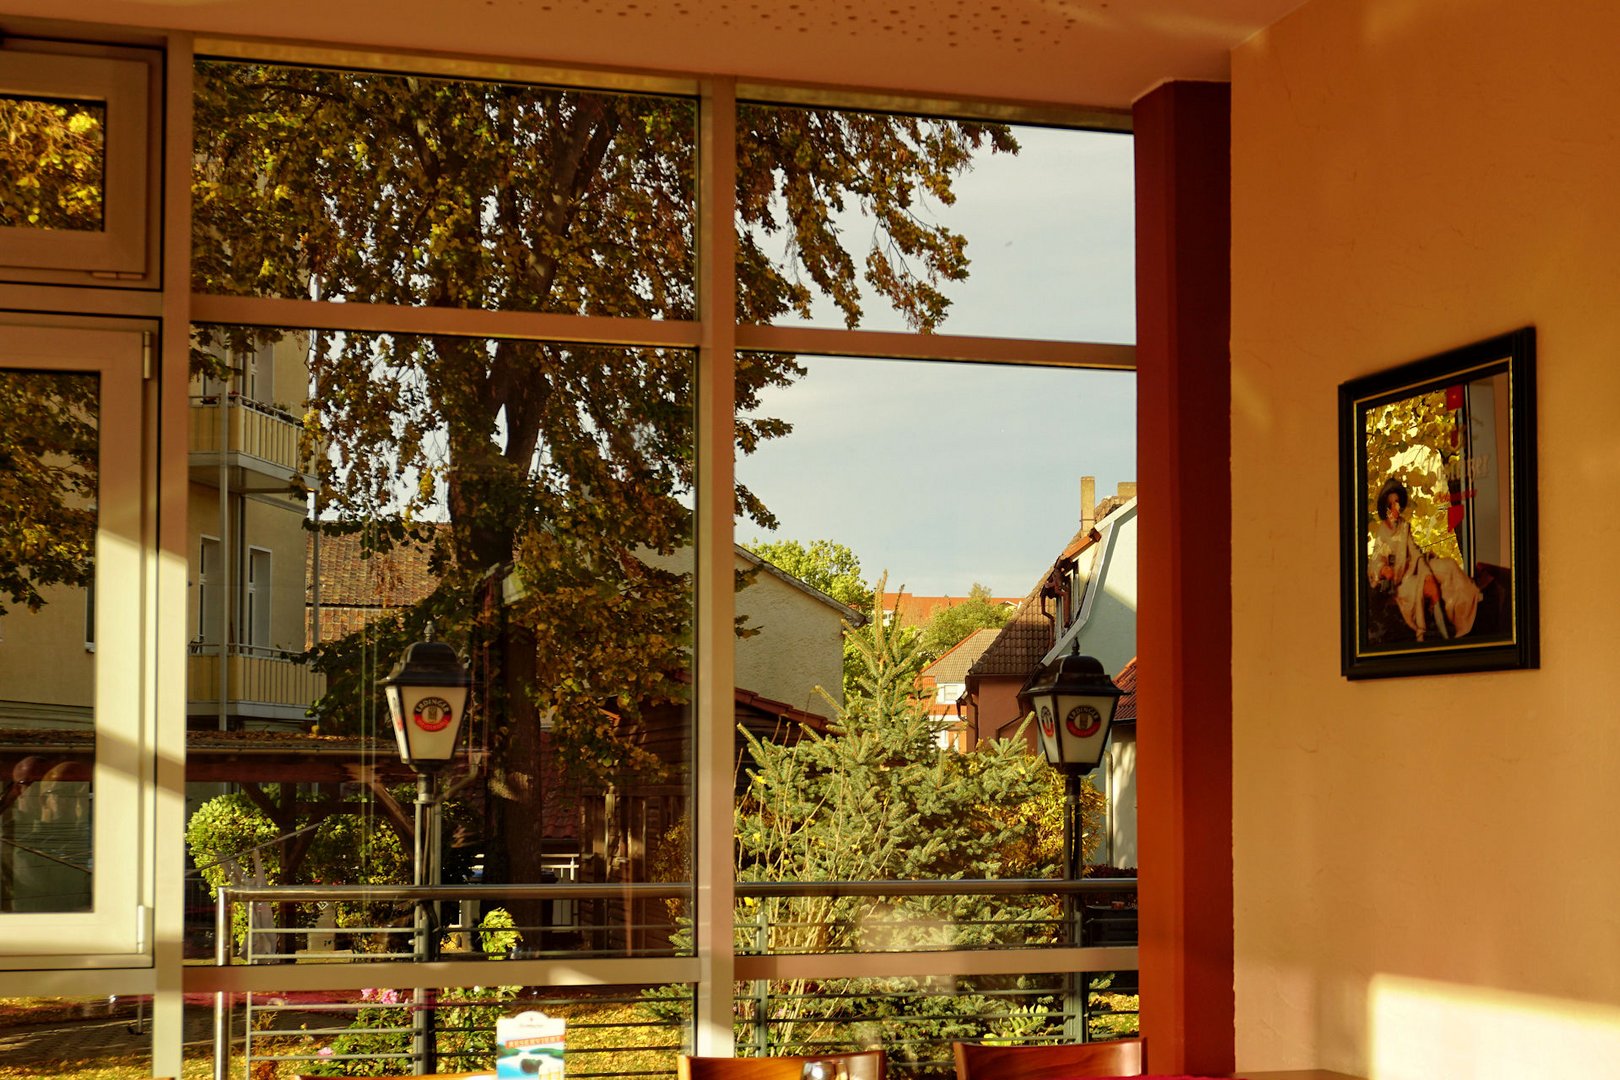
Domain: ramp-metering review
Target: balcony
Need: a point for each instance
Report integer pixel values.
(251, 447)
(249, 683)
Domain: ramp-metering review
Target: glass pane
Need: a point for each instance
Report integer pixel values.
(527, 503)
(49, 458)
(927, 535)
(608, 1031)
(887, 222)
(53, 156)
(914, 1021)
(399, 189)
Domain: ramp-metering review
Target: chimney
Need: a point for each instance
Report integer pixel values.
(1127, 491)
(1088, 503)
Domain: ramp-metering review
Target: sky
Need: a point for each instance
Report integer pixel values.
(946, 475)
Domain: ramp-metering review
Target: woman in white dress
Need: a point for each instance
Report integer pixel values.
(1428, 588)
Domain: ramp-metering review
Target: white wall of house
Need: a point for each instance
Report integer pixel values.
(799, 645)
(1106, 629)
(1424, 871)
(1106, 625)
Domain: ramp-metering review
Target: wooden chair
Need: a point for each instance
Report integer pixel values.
(861, 1065)
(1060, 1061)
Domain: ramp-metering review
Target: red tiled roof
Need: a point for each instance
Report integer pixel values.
(915, 610)
(1019, 645)
(1027, 635)
(1125, 711)
(358, 585)
(354, 577)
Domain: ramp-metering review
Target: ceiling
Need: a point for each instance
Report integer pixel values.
(1102, 53)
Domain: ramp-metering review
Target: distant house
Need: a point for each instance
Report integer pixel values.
(1087, 596)
(945, 682)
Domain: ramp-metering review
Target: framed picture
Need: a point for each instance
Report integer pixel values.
(1437, 481)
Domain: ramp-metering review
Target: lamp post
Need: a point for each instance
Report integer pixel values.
(427, 694)
(1073, 700)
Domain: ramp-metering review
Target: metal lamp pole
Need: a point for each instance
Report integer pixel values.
(1073, 700)
(424, 1047)
(426, 692)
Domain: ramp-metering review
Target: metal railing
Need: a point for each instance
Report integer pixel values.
(855, 992)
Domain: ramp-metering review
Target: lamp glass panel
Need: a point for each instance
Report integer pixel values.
(431, 717)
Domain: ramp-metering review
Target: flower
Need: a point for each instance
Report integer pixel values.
(325, 1051)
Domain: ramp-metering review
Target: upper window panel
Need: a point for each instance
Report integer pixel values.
(379, 188)
(58, 154)
(75, 165)
(891, 222)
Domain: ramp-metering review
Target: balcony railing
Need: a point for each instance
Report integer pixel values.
(251, 428)
(272, 678)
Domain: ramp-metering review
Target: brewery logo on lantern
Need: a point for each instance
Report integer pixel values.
(1083, 721)
(1047, 727)
(432, 714)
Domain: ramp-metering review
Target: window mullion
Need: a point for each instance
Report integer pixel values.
(716, 601)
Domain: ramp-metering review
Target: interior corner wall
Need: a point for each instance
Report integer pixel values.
(1425, 871)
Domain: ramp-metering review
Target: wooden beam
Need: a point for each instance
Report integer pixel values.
(1184, 725)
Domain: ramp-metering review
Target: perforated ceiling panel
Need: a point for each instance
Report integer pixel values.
(1087, 52)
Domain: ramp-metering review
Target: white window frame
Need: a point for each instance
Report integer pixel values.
(256, 599)
(209, 591)
(119, 249)
(116, 932)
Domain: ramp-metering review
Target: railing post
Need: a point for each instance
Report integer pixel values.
(1074, 983)
(424, 1046)
(222, 958)
(759, 1029)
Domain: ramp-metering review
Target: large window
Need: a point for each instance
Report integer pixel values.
(637, 432)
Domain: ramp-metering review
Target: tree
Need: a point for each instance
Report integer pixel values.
(950, 625)
(48, 474)
(52, 155)
(823, 564)
(555, 465)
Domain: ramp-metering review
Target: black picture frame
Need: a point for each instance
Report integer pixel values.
(1437, 462)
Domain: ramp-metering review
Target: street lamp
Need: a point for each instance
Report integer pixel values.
(427, 694)
(427, 691)
(1073, 700)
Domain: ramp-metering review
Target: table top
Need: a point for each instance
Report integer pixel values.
(1298, 1074)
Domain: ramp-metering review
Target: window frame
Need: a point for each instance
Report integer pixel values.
(122, 248)
(117, 931)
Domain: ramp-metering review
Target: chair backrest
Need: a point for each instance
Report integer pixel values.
(862, 1065)
(1120, 1057)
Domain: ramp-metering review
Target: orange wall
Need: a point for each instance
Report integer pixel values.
(1425, 870)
